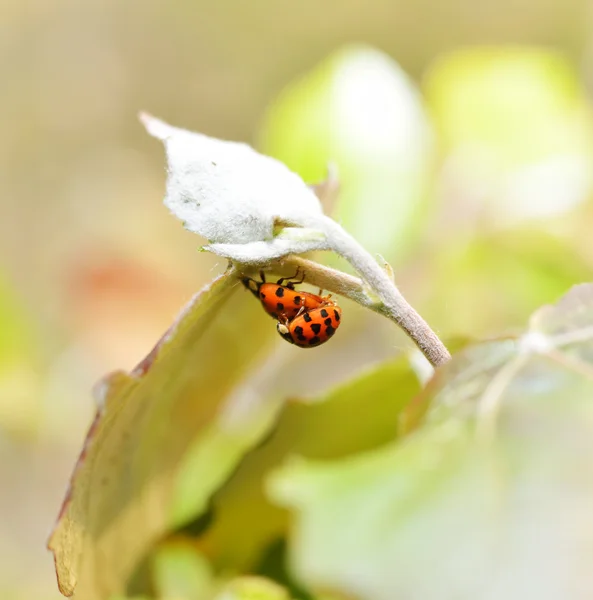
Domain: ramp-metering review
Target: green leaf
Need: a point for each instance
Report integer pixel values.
(514, 99)
(489, 499)
(16, 339)
(517, 128)
(181, 573)
(252, 588)
(496, 281)
(357, 416)
(167, 435)
(360, 111)
(19, 373)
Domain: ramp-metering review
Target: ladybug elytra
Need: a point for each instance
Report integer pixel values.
(304, 319)
(281, 301)
(311, 328)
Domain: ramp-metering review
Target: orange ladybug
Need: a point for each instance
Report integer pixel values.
(311, 328)
(281, 301)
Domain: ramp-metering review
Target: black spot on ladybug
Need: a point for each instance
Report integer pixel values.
(324, 313)
(314, 341)
(307, 318)
(279, 292)
(329, 330)
(316, 328)
(297, 300)
(336, 315)
(328, 321)
(262, 295)
(299, 333)
(280, 306)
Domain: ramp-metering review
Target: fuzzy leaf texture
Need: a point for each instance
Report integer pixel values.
(229, 193)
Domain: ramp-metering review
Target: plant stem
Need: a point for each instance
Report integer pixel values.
(380, 293)
(391, 305)
(394, 305)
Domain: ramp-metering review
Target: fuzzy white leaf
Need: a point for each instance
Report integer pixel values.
(235, 197)
(290, 241)
(226, 191)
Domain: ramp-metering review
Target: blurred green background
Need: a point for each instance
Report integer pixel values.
(463, 135)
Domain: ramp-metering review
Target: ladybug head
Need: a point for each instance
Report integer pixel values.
(252, 285)
(284, 332)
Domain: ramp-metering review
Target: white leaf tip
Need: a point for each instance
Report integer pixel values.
(155, 127)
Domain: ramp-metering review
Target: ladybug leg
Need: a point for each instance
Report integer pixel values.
(301, 279)
(290, 285)
(262, 276)
(301, 310)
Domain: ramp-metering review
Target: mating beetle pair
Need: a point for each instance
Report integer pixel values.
(304, 319)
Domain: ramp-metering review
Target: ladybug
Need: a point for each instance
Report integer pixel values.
(311, 328)
(281, 301)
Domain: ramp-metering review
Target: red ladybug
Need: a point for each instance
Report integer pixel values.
(281, 301)
(311, 328)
